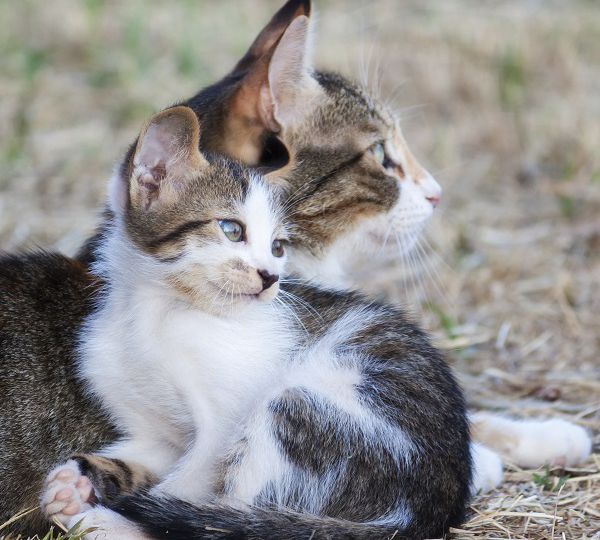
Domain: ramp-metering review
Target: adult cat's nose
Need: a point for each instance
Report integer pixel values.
(267, 278)
(434, 200)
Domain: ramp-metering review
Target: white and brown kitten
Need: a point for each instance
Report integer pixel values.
(350, 424)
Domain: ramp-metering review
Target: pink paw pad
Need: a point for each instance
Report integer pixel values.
(66, 493)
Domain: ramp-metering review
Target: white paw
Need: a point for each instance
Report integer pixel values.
(66, 493)
(487, 469)
(551, 442)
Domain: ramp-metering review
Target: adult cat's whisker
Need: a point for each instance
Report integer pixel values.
(434, 254)
(431, 269)
(385, 239)
(433, 278)
(413, 270)
(430, 257)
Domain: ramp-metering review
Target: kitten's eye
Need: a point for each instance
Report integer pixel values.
(232, 229)
(277, 248)
(381, 156)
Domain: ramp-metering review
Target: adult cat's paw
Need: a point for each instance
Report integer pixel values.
(66, 492)
(552, 442)
(487, 469)
(533, 443)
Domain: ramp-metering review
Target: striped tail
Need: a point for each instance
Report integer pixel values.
(172, 519)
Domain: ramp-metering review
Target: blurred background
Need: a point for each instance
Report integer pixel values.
(500, 100)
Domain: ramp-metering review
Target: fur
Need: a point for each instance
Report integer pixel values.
(347, 418)
(39, 324)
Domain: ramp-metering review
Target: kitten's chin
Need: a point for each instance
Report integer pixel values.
(219, 302)
(264, 297)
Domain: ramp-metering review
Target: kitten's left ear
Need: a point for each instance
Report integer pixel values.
(166, 157)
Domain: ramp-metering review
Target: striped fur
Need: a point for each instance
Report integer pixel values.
(340, 409)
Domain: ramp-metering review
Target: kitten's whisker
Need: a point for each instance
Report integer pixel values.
(302, 303)
(290, 310)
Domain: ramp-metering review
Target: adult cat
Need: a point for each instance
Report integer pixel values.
(342, 194)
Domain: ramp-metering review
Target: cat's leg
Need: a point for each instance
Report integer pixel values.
(85, 479)
(487, 469)
(192, 477)
(532, 443)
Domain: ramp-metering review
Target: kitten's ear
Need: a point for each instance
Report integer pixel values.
(275, 92)
(165, 158)
(272, 32)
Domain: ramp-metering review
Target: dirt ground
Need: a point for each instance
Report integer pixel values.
(501, 100)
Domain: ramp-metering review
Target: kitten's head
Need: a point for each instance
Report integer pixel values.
(353, 183)
(202, 226)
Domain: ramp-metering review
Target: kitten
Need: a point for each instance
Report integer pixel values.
(233, 123)
(228, 397)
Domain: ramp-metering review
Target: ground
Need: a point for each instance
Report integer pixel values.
(498, 99)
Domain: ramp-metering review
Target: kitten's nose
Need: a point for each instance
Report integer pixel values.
(267, 279)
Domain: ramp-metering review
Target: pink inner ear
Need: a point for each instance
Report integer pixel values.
(151, 180)
(157, 149)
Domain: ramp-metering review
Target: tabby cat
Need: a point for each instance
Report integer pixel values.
(44, 297)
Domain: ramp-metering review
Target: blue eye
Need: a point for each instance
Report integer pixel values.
(378, 152)
(233, 230)
(381, 157)
(277, 248)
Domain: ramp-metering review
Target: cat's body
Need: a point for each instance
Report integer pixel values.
(227, 397)
(335, 189)
(44, 298)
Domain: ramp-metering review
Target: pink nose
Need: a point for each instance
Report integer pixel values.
(433, 200)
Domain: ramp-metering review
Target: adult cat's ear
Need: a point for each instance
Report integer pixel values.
(166, 157)
(275, 92)
(272, 32)
(290, 86)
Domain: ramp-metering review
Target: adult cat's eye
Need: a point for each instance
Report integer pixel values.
(277, 248)
(233, 230)
(380, 155)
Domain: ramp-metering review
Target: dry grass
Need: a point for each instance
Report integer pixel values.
(500, 101)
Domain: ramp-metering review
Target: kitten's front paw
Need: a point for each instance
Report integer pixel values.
(66, 492)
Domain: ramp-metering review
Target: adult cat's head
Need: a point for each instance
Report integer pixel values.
(351, 179)
(200, 227)
(353, 185)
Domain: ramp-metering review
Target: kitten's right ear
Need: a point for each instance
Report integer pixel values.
(165, 158)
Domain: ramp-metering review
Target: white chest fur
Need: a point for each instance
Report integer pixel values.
(165, 368)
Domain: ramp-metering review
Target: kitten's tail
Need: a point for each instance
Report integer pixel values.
(162, 517)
